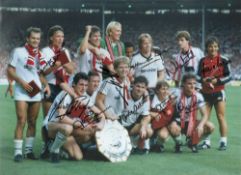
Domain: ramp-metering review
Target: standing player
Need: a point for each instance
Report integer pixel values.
(56, 74)
(188, 58)
(135, 116)
(24, 68)
(129, 47)
(112, 42)
(188, 103)
(92, 57)
(214, 73)
(147, 63)
(10, 87)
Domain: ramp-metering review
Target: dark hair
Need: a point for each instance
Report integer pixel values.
(129, 44)
(52, 31)
(211, 40)
(184, 34)
(188, 76)
(141, 79)
(32, 30)
(161, 84)
(94, 29)
(92, 74)
(79, 76)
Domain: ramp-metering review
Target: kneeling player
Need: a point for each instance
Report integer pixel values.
(60, 126)
(188, 102)
(162, 113)
(136, 117)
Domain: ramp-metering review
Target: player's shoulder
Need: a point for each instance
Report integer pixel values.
(199, 96)
(136, 55)
(19, 50)
(225, 59)
(46, 49)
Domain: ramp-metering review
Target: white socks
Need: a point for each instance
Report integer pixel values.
(224, 140)
(29, 144)
(178, 139)
(58, 142)
(18, 144)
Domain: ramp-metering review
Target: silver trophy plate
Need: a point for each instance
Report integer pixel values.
(113, 141)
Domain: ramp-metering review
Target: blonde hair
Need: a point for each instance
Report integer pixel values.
(111, 25)
(121, 59)
(142, 37)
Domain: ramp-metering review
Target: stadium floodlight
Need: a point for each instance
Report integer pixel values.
(129, 6)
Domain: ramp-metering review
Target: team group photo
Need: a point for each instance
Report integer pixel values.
(120, 87)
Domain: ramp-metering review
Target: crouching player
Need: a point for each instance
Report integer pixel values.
(60, 126)
(162, 111)
(135, 117)
(188, 102)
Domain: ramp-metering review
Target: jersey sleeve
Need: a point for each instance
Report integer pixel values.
(104, 87)
(146, 108)
(227, 72)
(160, 65)
(14, 58)
(200, 100)
(107, 60)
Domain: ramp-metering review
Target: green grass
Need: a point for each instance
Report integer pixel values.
(208, 162)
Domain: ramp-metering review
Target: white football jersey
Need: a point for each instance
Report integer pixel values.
(49, 55)
(190, 59)
(64, 100)
(147, 67)
(88, 63)
(114, 95)
(188, 103)
(134, 110)
(19, 61)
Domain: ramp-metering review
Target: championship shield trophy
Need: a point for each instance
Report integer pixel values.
(113, 141)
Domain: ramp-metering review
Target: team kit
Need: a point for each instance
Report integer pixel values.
(118, 99)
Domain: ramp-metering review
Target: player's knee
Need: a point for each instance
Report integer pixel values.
(163, 135)
(149, 132)
(67, 129)
(220, 117)
(21, 122)
(209, 127)
(175, 130)
(32, 123)
(79, 156)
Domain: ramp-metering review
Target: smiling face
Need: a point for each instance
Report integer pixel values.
(93, 83)
(122, 70)
(139, 90)
(189, 86)
(81, 87)
(146, 45)
(162, 92)
(95, 39)
(213, 49)
(34, 39)
(57, 39)
(115, 33)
